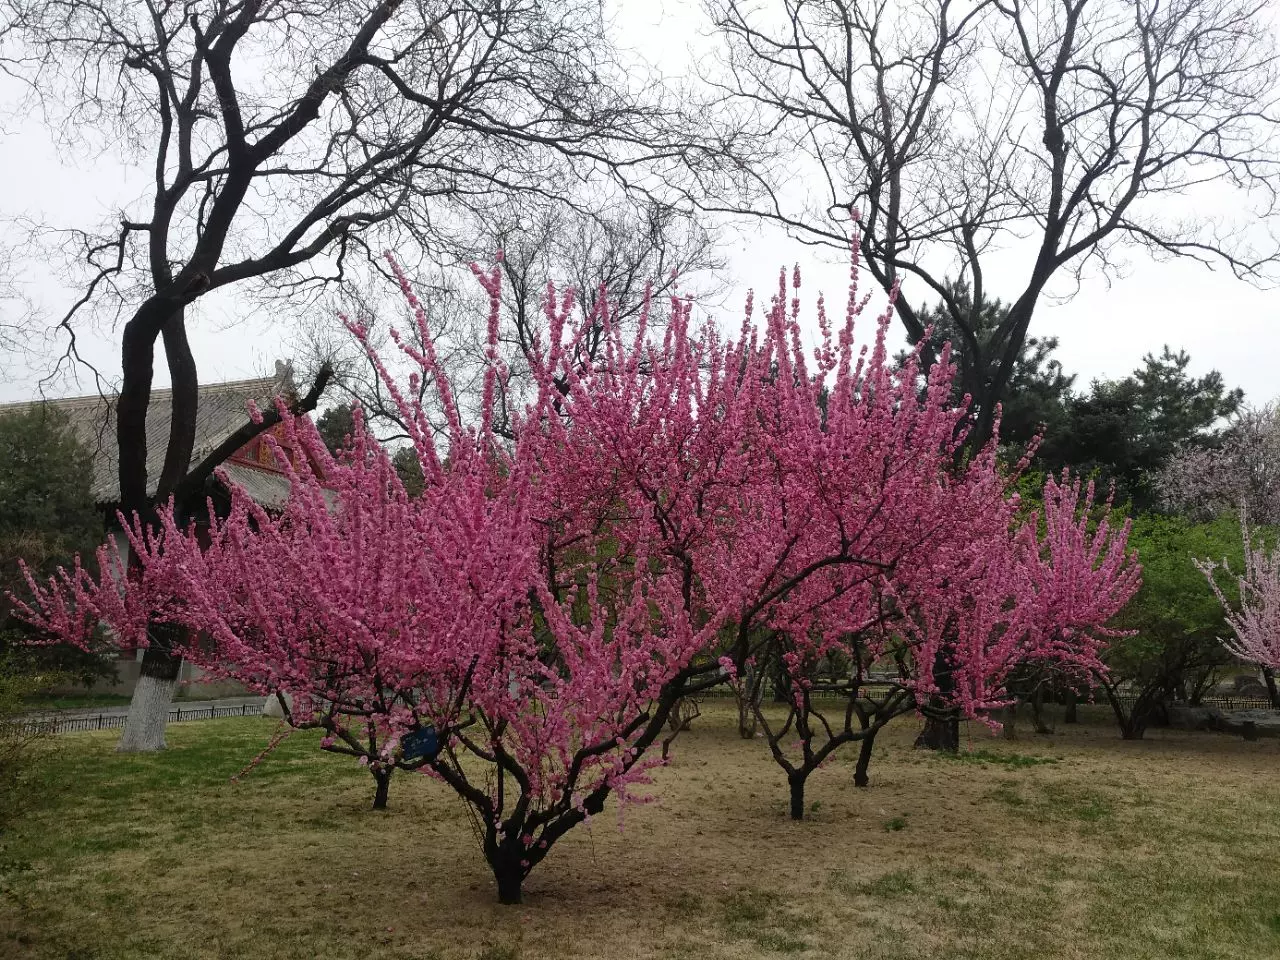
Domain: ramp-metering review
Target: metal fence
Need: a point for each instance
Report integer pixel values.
(1217, 702)
(109, 721)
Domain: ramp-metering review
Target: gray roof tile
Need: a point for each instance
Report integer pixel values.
(222, 410)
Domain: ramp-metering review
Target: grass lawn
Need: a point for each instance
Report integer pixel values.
(85, 701)
(77, 701)
(1077, 845)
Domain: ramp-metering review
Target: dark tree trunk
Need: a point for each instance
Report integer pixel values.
(860, 778)
(1009, 722)
(1133, 726)
(940, 733)
(1037, 712)
(383, 779)
(752, 692)
(158, 661)
(1133, 722)
(137, 364)
(746, 720)
(1269, 676)
(996, 371)
(510, 885)
(510, 877)
(1070, 715)
(185, 393)
(149, 707)
(781, 682)
(942, 723)
(796, 782)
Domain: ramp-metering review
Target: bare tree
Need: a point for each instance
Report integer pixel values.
(622, 251)
(288, 137)
(620, 254)
(455, 317)
(16, 311)
(1070, 127)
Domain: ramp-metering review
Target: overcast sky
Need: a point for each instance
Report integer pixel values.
(1104, 330)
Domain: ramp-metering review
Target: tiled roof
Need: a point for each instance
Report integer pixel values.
(222, 410)
(267, 487)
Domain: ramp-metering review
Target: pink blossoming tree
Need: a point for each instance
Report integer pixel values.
(953, 622)
(884, 551)
(538, 607)
(523, 628)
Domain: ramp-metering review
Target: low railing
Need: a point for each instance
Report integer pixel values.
(55, 723)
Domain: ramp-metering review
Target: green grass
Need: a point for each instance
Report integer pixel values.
(76, 701)
(1163, 849)
(1013, 760)
(1046, 802)
(895, 883)
(761, 918)
(87, 701)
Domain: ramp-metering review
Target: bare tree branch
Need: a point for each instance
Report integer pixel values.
(1074, 126)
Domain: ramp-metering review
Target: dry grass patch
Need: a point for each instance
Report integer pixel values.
(1107, 849)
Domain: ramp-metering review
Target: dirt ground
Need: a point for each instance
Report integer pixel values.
(1074, 845)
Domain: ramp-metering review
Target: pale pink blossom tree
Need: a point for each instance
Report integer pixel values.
(1255, 622)
(1243, 473)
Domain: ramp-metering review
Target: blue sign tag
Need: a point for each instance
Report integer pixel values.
(420, 743)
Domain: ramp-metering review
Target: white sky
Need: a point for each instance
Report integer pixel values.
(1104, 331)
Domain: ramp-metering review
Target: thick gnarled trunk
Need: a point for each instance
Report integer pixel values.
(149, 708)
(510, 885)
(940, 733)
(505, 858)
(941, 720)
(1134, 719)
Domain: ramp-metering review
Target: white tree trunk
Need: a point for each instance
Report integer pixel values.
(272, 707)
(148, 714)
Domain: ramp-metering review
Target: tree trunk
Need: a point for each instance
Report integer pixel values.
(751, 693)
(1009, 722)
(1037, 712)
(1133, 727)
(510, 881)
(796, 782)
(781, 682)
(746, 717)
(940, 733)
(1133, 723)
(1070, 715)
(994, 379)
(1269, 676)
(860, 778)
(383, 780)
(149, 708)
